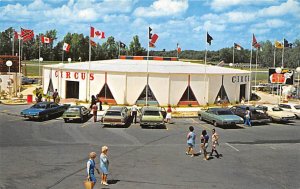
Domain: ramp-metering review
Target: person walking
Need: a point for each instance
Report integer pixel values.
(95, 109)
(215, 142)
(90, 168)
(191, 138)
(204, 138)
(93, 100)
(55, 95)
(134, 113)
(169, 114)
(104, 165)
(247, 117)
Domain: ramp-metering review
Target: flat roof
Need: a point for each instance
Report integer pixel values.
(141, 66)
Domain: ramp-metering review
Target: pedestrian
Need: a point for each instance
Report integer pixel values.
(40, 96)
(243, 101)
(204, 138)
(247, 117)
(95, 109)
(93, 101)
(104, 165)
(169, 114)
(191, 138)
(134, 113)
(215, 142)
(55, 95)
(90, 168)
(100, 104)
(219, 100)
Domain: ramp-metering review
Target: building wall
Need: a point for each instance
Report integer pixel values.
(159, 84)
(136, 83)
(197, 83)
(178, 84)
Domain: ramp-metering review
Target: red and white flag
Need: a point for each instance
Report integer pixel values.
(66, 47)
(93, 43)
(45, 39)
(27, 34)
(178, 48)
(17, 35)
(153, 40)
(97, 33)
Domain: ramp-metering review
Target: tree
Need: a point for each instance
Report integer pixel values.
(135, 47)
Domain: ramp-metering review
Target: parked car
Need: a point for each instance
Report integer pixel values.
(276, 113)
(256, 116)
(152, 117)
(294, 108)
(219, 116)
(44, 110)
(116, 115)
(26, 80)
(76, 113)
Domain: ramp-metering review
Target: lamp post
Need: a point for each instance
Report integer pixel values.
(278, 71)
(40, 60)
(298, 88)
(9, 64)
(69, 60)
(60, 66)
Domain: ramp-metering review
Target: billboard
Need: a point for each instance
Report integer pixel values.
(285, 77)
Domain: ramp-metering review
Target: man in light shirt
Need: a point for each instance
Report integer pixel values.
(134, 113)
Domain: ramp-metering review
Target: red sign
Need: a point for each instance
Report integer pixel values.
(74, 75)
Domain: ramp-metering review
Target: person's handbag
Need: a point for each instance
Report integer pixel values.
(88, 184)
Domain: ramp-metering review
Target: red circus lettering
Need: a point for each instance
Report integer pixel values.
(68, 75)
(92, 76)
(83, 76)
(56, 73)
(76, 75)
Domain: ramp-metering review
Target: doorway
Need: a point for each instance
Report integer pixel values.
(242, 91)
(72, 89)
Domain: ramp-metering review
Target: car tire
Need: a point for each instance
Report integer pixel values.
(66, 120)
(46, 117)
(201, 118)
(215, 123)
(82, 119)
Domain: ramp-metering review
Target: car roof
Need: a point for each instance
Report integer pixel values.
(151, 108)
(218, 109)
(76, 106)
(115, 108)
(245, 106)
(46, 103)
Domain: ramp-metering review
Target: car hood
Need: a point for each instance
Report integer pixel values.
(30, 111)
(230, 117)
(281, 114)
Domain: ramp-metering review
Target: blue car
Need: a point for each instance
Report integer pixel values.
(44, 110)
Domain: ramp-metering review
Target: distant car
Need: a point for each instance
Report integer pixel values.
(276, 113)
(26, 80)
(294, 108)
(256, 116)
(116, 115)
(44, 110)
(220, 116)
(152, 117)
(76, 113)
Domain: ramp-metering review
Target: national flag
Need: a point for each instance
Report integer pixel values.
(208, 38)
(45, 39)
(178, 48)
(26, 34)
(122, 45)
(17, 35)
(278, 45)
(66, 47)
(151, 45)
(255, 43)
(149, 32)
(93, 43)
(97, 33)
(153, 40)
(287, 44)
(238, 47)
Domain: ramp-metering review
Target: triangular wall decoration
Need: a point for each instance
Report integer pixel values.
(151, 98)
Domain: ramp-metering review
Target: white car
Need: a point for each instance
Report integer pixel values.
(276, 113)
(294, 108)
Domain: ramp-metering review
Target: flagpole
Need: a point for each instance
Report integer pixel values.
(147, 67)
(20, 82)
(62, 57)
(282, 54)
(274, 56)
(39, 55)
(249, 94)
(233, 54)
(177, 50)
(13, 42)
(119, 48)
(205, 89)
(256, 68)
(88, 77)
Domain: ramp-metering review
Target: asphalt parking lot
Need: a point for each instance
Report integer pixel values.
(53, 154)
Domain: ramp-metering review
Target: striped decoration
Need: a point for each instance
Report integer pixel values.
(150, 58)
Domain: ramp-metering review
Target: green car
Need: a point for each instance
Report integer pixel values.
(152, 117)
(76, 113)
(220, 117)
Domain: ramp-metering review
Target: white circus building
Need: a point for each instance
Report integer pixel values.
(124, 81)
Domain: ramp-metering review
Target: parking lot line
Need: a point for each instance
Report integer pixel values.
(85, 124)
(202, 125)
(232, 147)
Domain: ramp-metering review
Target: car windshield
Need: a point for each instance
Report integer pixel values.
(224, 112)
(151, 113)
(39, 106)
(277, 109)
(113, 113)
(297, 107)
(73, 110)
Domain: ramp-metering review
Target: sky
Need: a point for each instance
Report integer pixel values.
(174, 21)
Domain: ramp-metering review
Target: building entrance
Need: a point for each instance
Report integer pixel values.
(242, 91)
(72, 89)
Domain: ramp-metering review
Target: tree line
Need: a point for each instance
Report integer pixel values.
(109, 49)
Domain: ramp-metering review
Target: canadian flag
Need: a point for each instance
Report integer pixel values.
(45, 39)
(97, 33)
(153, 40)
(17, 35)
(66, 47)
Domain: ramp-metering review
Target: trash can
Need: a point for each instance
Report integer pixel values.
(29, 99)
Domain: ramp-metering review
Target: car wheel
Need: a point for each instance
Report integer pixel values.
(46, 117)
(201, 118)
(66, 120)
(82, 119)
(215, 123)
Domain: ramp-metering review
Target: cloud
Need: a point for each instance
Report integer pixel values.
(162, 8)
(220, 5)
(271, 23)
(289, 7)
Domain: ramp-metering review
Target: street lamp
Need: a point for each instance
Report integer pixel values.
(40, 60)
(60, 66)
(9, 64)
(69, 60)
(278, 71)
(298, 88)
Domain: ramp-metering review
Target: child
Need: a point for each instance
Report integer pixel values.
(90, 166)
(204, 144)
(215, 142)
(104, 165)
(191, 138)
